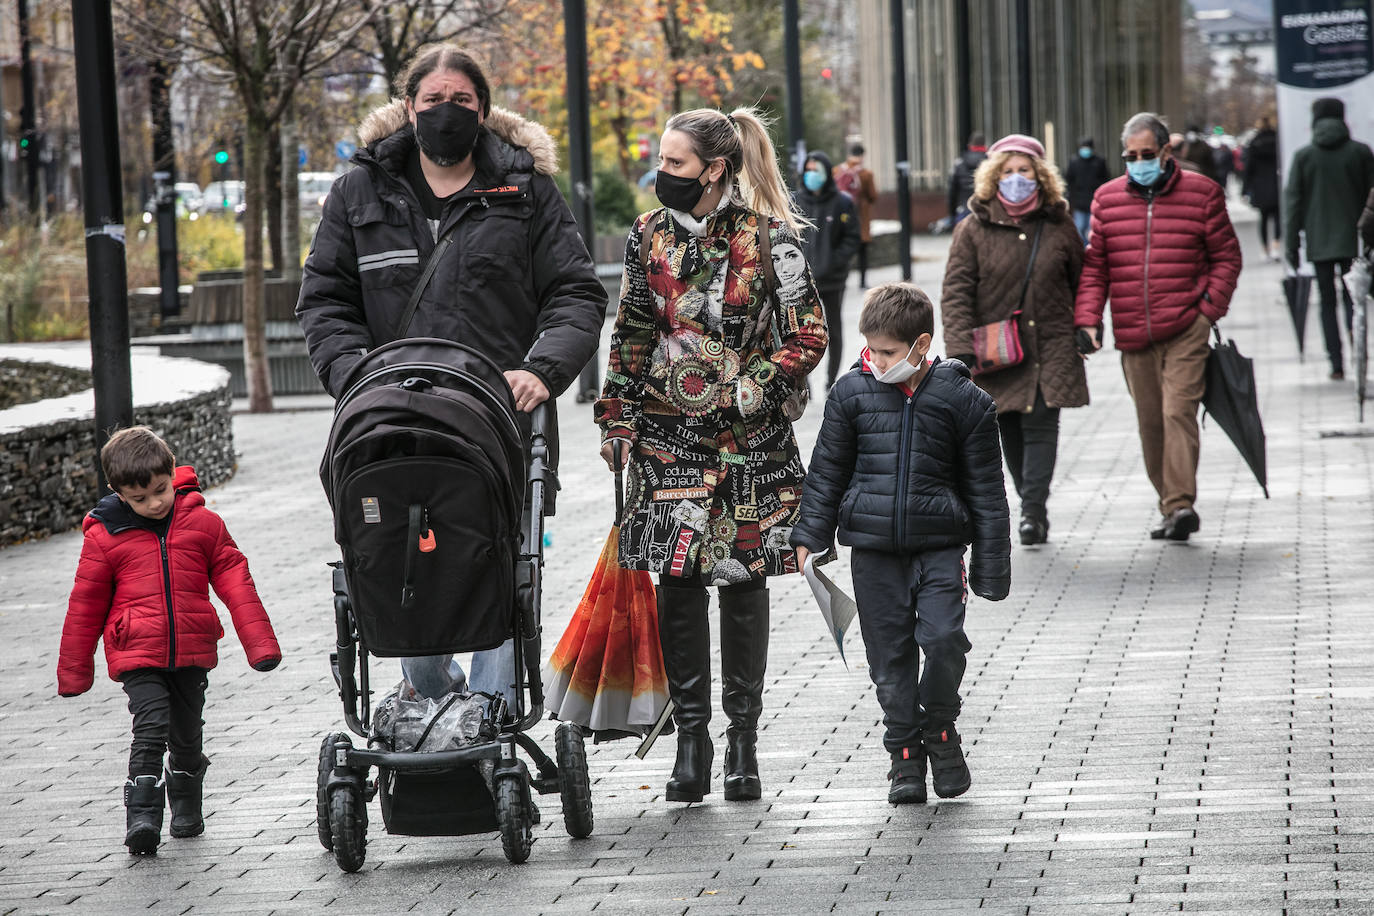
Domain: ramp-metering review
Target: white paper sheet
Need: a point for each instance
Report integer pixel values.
(837, 608)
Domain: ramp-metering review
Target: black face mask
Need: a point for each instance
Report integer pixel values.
(678, 193)
(447, 132)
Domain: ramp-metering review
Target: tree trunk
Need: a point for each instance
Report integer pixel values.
(272, 173)
(290, 198)
(255, 366)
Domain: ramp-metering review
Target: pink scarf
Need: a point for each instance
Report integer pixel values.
(1016, 211)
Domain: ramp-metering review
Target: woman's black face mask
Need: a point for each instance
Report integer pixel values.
(446, 132)
(678, 193)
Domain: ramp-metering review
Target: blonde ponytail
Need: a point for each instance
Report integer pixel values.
(761, 182)
(741, 139)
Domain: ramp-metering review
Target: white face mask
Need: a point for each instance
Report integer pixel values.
(900, 371)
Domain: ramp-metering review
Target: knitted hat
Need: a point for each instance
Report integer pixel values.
(1018, 143)
(1328, 108)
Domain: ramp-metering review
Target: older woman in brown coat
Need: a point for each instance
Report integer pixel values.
(1020, 213)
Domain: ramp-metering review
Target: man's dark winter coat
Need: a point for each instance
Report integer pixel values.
(516, 282)
(961, 178)
(1328, 182)
(1083, 179)
(903, 474)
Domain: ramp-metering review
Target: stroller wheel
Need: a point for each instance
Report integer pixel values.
(348, 820)
(514, 815)
(326, 770)
(574, 783)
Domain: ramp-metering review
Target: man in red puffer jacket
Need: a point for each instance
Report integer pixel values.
(1164, 252)
(151, 553)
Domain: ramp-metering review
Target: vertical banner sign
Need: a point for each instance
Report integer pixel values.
(1323, 49)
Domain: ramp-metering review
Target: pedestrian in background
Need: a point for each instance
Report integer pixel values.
(829, 244)
(907, 468)
(1192, 152)
(854, 179)
(1328, 182)
(1020, 235)
(961, 175)
(149, 601)
(1260, 184)
(1164, 253)
(1087, 172)
(696, 388)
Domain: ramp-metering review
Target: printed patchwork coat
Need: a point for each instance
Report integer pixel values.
(697, 381)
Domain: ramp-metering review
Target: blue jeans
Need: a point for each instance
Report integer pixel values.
(493, 671)
(1082, 220)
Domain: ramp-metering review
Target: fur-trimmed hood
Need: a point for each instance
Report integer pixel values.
(505, 125)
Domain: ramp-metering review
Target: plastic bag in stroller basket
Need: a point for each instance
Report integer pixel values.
(406, 721)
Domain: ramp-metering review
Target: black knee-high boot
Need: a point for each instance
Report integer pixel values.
(685, 634)
(743, 662)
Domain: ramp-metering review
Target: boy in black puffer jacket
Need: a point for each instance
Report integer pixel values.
(908, 467)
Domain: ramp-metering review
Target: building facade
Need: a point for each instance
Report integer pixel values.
(1092, 64)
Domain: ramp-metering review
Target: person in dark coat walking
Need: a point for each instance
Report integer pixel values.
(1328, 182)
(1018, 205)
(696, 387)
(829, 245)
(961, 175)
(1260, 183)
(514, 280)
(907, 468)
(1087, 172)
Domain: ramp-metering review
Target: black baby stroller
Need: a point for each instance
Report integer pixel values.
(427, 473)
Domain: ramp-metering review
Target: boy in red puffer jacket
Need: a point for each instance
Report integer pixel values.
(151, 552)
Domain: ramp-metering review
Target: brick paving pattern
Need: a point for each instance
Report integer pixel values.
(1151, 726)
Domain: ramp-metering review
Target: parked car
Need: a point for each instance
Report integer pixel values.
(225, 197)
(312, 189)
(190, 202)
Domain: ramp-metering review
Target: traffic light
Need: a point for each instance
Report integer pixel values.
(221, 157)
(826, 73)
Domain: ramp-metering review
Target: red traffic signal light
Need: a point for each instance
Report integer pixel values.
(826, 73)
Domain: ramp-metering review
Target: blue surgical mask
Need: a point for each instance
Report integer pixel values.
(1086, 152)
(1144, 172)
(1017, 188)
(814, 181)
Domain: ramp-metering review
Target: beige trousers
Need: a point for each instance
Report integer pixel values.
(1166, 381)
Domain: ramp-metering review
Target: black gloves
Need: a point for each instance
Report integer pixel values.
(1084, 341)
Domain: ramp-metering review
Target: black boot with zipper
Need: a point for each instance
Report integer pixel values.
(143, 815)
(184, 798)
(743, 663)
(684, 632)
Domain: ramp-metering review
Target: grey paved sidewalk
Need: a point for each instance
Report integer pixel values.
(1151, 726)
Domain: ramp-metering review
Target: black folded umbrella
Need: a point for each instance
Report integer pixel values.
(1230, 400)
(1297, 290)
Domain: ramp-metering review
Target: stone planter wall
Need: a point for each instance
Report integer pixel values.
(47, 448)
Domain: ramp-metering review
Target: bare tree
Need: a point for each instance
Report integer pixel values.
(396, 28)
(264, 48)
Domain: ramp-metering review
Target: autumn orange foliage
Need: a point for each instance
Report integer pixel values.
(646, 59)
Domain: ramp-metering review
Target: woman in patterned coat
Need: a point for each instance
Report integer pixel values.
(696, 388)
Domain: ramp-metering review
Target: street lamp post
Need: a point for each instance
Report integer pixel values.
(580, 155)
(103, 207)
(796, 130)
(899, 128)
